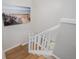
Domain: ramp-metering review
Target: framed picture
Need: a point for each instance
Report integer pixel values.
(16, 15)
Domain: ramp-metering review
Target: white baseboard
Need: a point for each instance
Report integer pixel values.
(56, 56)
(13, 47)
(25, 43)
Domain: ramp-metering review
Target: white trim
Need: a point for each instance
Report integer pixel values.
(24, 43)
(67, 20)
(11, 47)
(53, 55)
(56, 56)
(14, 47)
(52, 28)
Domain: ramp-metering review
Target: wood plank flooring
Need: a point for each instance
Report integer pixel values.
(21, 52)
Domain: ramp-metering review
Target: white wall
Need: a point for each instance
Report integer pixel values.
(47, 13)
(65, 46)
(16, 34)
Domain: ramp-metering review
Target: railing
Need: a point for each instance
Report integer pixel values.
(43, 43)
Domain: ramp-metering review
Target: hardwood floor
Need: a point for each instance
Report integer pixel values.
(17, 53)
(21, 52)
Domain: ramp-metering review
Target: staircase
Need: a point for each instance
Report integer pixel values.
(43, 43)
(40, 46)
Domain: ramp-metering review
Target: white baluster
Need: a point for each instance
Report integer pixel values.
(29, 45)
(38, 43)
(46, 41)
(43, 40)
(35, 44)
(39, 40)
(32, 44)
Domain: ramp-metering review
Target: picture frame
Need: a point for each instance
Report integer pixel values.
(14, 15)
